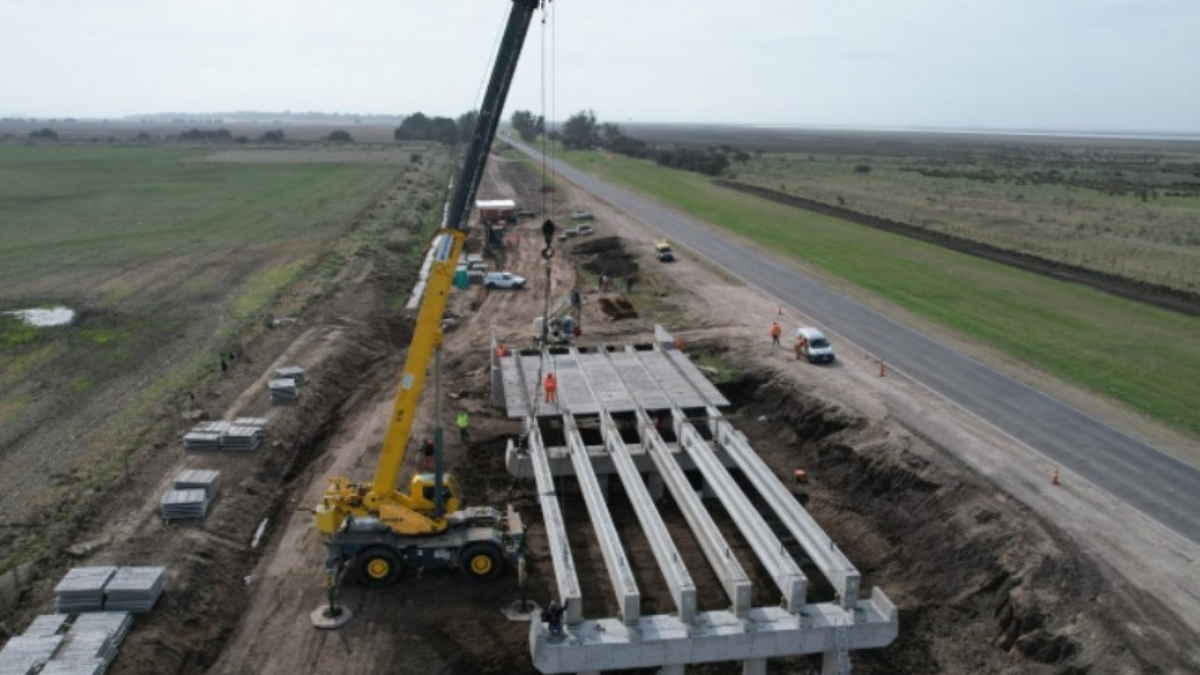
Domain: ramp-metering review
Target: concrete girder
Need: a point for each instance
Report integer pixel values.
(779, 564)
(841, 574)
(625, 588)
(663, 640)
(726, 566)
(674, 571)
(565, 577)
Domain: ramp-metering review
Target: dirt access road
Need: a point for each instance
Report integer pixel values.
(994, 570)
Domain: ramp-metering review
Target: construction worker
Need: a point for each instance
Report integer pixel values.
(776, 331)
(801, 343)
(427, 453)
(500, 351)
(551, 388)
(553, 616)
(463, 422)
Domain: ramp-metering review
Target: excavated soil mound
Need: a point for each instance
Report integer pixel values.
(606, 255)
(983, 584)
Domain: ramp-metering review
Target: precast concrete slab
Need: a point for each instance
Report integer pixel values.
(620, 380)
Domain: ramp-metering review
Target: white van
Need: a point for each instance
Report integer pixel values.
(813, 345)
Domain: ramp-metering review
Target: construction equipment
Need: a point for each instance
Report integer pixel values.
(372, 526)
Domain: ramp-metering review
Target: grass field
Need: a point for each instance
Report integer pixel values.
(171, 258)
(1146, 358)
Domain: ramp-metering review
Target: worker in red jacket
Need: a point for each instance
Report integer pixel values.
(551, 388)
(776, 331)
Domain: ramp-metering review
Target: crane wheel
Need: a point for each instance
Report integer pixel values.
(378, 566)
(481, 561)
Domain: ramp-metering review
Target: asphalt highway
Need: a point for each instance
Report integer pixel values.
(1158, 484)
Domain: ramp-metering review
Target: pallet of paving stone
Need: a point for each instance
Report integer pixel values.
(184, 504)
(242, 438)
(134, 589)
(117, 624)
(194, 440)
(85, 647)
(86, 667)
(283, 390)
(46, 625)
(259, 422)
(23, 655)
(199, 479)
(294, 373)
(82, 589)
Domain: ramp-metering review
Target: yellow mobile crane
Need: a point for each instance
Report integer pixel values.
(372, 526)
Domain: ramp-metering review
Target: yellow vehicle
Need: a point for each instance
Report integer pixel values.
(372, 526)
(662, 249)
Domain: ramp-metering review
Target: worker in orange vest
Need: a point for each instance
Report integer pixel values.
(500, 351)
(551, 388)
(776, 331)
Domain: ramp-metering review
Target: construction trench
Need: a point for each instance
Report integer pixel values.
(645, 414)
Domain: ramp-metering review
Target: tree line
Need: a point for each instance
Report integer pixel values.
(582, 131)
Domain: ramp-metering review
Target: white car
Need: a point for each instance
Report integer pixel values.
(504, 280)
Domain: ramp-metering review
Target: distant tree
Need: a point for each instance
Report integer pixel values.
(415, 127)
(46, 134)
(340, 136)
(143, 136)
(207, 135)
(862, 168)
(610, 133)
(525, 124)
(579, 132)
(242, 139)
(274, 136)
(443, 130)
(466, 125)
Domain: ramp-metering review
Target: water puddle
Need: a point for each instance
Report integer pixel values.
(45, 317)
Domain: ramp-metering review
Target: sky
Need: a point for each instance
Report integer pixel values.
(1101, 65)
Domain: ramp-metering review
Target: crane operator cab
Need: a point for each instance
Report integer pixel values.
(420, 491)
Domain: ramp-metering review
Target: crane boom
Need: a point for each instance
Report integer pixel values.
(408, 514)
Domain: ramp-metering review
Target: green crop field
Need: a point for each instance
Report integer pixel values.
(171, 257)
(1146, 358)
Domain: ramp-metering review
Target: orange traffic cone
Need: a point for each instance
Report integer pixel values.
(882, 369)
(1054, 477)
(781, 310)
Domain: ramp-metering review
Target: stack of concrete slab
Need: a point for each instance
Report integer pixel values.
(91, 645)
(283, 390)
(184, 504)
(199, 479)
(133, 589)
(202, 439)
(244, 434)
(259, 422)
(46, 625)
(86, 667)
(295, 373)
(82, 589)
(242, 438)
(24, 654)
